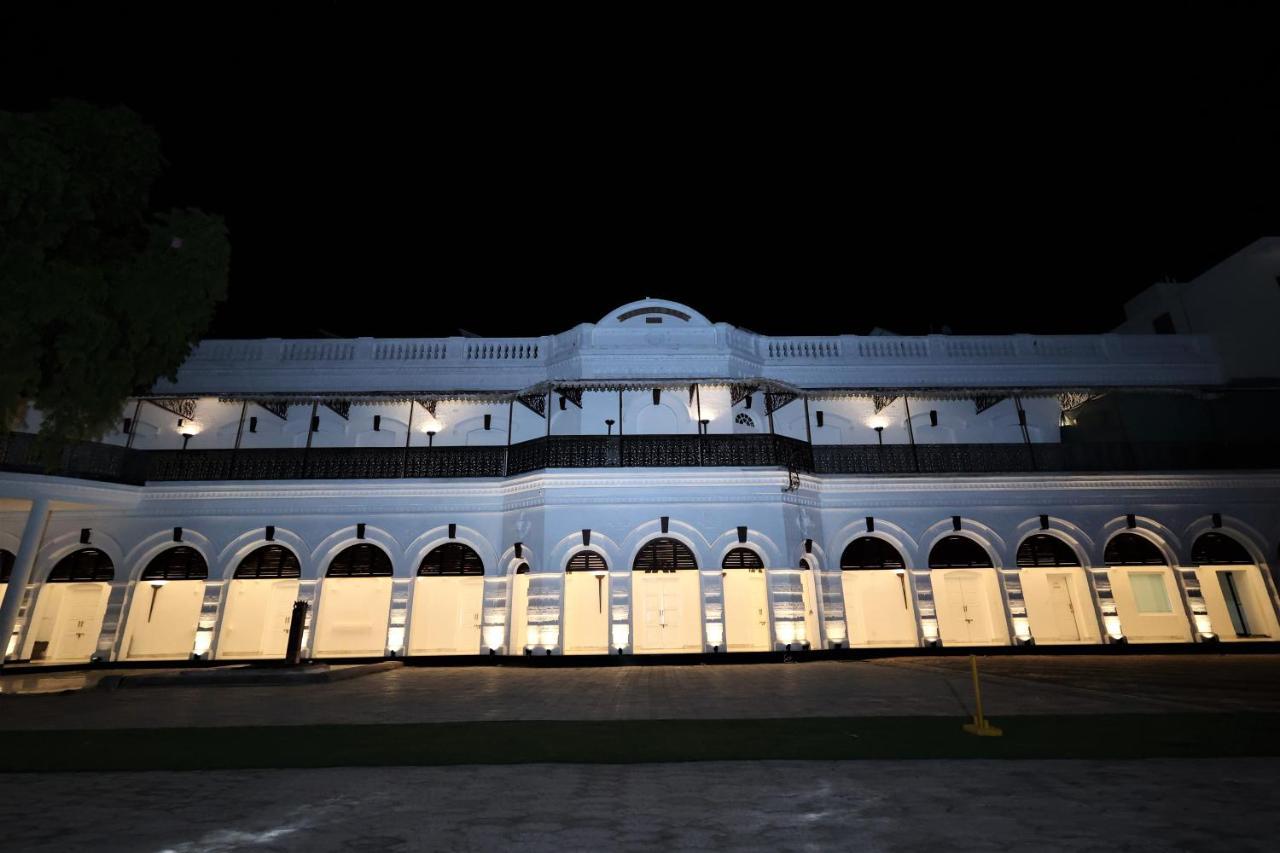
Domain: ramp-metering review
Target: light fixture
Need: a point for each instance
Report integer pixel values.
(704, 423)
(880, 435)
(609, 423)
(877, 422)
(186, 438)
(431, 438)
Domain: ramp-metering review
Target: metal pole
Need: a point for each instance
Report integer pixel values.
(619, 427)
(911, 433)
(306, 451)
(408, 434)
(1026, 435)
(244, 408)
(133, 425)
(506, 455)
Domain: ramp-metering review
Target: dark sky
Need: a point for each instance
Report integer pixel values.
(394, 176)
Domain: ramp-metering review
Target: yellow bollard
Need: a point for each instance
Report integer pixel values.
(979, 726)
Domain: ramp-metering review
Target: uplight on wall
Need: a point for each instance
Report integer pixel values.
(877, 422)
(493, 635)
(1022, 628)
(620, 634)
(395, 639)
(1112, 624)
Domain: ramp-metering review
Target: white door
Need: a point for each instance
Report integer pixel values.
(809, 598)
(746, 601)
(446, 615)
(1063, 607)
(353, 615)
(878, 608)
(668, 617)
(256, 621)
(520, 638)
(964, 596)
(586, 613)
(163, 619)
(80, 622)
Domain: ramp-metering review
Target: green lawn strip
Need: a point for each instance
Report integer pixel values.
(627, 741)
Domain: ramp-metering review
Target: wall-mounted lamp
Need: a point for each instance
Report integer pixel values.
(880, 435)
(609, 423)
(186, 437)
(431, 438)
(704, 423)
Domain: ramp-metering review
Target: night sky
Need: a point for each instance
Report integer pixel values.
(395, 177)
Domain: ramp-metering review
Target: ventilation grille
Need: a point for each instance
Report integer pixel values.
(269, 561)
(452, 558)
(664, 555)
(87, 564)
(177, 564)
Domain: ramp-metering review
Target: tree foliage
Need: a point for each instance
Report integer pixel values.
(101, 295)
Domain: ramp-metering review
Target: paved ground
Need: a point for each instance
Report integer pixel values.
(868, 805)
(899, 686)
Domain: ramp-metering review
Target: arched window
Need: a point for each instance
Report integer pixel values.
(177, 564)
(87, 564)
(1045, 550)
(664, 555)
(269, 562)
(1218, 549)
(742, 558)
(451, 558)
(586, 561)
(360, 561)
(959, 552)
(1130, 549)
(743, 419)
(6, 565)
(869, 552)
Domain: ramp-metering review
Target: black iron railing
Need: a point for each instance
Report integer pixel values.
(114, 463)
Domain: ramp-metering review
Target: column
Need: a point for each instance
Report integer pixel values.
(23, 563)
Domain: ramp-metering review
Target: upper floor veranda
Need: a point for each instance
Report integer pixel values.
(655, 383)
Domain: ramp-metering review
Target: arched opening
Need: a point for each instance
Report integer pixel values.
(68, 613)
(448, 602)
(259, 604)
(746, 601)
(1234, 590)
(1145, 591)
(966, 594)
(586, 604)
(165, 611)
(355, 604)
(1056, 591)
(878, 609)
(666, 598)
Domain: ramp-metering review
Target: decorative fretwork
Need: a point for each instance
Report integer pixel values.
(429, 405)
(183, 407)
(985, 401)
(279, 408)
(536, 403)
(774, 400)
(573, 395)
(738, 393)
(341, 408)
(881, 401)
(1071, 400)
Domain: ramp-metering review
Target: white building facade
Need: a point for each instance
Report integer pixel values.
(654, 483)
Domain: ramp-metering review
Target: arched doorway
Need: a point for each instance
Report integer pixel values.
(68, 613)
(1146, 594)
(448, 602)
(355, 604)
(165, 611)
(1056, 591)
(586, 604)
(666, 598)
(877, 595)
(1234, 591)
(259, 604)
(746, 602)
(966, 594)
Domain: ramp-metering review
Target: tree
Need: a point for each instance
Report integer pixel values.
(101, 295)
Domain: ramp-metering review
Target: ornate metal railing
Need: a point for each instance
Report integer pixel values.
(114, 463)
(1083, 457)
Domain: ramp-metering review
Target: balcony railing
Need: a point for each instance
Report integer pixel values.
(114, 463)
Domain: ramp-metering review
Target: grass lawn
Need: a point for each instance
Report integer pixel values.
(626, 741)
